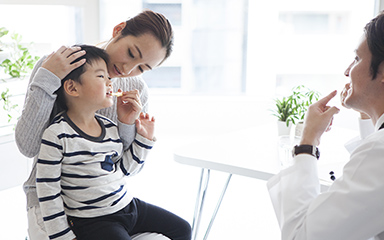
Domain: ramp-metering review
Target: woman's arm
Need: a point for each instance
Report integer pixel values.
(38, 104)
(40, 98)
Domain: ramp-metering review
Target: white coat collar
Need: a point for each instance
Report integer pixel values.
(379, 122)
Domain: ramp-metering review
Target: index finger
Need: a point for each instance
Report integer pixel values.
(132, 93)
(327, 98)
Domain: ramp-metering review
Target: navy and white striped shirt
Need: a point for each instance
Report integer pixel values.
(83, 176)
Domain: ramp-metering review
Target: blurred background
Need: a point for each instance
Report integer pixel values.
(231, 59)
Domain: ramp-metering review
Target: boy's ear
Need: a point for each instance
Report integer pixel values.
(118, 28)
(70, 87)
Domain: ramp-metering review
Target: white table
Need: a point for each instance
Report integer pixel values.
(253, 153)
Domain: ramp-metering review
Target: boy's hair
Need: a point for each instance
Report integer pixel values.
(92, 54)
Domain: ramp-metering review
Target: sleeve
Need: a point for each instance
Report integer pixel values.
(127, 132)
(48, 187)
(365, 129)
(144, 97)
(37, 108)
(134, 157)
(352, 208)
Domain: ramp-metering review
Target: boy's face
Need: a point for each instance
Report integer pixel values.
(96, 87)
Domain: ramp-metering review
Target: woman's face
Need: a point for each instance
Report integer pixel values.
(131, 56)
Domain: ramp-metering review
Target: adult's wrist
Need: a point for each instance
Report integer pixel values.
(307, 141)
(306, 149)
(127, 122)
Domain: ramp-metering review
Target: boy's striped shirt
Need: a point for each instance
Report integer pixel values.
(83, 176)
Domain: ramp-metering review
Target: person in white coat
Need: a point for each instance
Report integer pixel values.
(353, 207)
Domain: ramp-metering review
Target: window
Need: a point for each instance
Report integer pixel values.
(313, 23)
(47, 27)
(210, 46)
(295, 42)
(171, 10)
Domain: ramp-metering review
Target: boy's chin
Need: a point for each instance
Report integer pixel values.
(108, 104)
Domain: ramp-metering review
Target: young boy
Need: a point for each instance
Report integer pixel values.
(82, 163)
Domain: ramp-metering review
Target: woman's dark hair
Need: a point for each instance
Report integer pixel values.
(92, 54)
(153, 23)
(374, 33)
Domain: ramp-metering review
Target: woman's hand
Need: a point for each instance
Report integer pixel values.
(344, 94)
(60, 62)
(145, 126)
(318, 119)
(129, 107)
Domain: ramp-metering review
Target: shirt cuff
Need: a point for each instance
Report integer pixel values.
(145, 140)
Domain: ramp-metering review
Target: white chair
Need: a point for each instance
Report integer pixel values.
(149, 236)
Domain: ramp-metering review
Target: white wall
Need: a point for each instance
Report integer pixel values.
(14, 167)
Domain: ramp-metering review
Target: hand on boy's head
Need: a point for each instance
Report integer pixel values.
(59, 62)
(145, 126)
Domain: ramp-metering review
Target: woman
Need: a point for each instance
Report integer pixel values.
(137, 45)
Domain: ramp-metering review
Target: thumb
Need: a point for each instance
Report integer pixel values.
(138, 123)
(332, 111)
(119, 100)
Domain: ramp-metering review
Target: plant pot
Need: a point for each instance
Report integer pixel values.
(283, 129)
(299, 129)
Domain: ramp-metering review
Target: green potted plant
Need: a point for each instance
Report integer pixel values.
(17, 63)
(290, 110)
(20, 62)
(284, 112)
(303, 98)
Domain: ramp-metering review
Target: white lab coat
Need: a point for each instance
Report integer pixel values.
(352, 208)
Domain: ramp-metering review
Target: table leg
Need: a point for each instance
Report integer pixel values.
(217, 207)
(200, 202)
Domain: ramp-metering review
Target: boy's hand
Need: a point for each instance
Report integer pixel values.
(129, 107)
(145, 126)
(60, 62)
